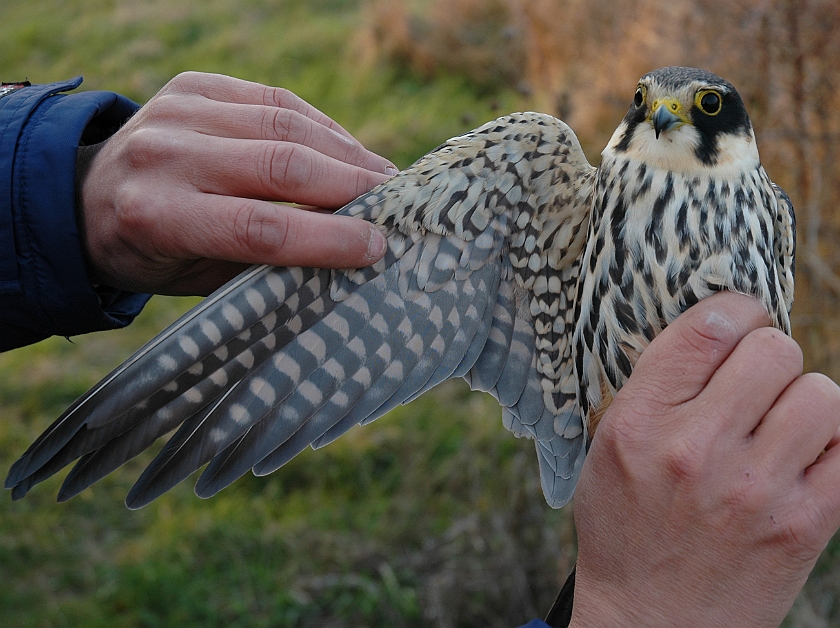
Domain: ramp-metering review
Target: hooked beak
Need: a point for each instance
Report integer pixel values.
(667, 114)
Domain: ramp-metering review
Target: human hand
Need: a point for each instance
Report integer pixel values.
(711, 485)
(178, 200)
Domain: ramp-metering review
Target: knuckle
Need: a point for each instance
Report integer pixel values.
(258, 230)
(772, 344)
(647, 403)
(678, 459)
(704, 337)
(287, 166)
(357, 183)
(632, 426)
(164, 108)
(822, 386)
(183, 82)
(815, 399)
(136, 211)
(150, 147)
(267, 160)
(684, 461)
(365, 181)
(801, 534)
(749, 493)
(282, 123)
(277, 96)
(622, 439)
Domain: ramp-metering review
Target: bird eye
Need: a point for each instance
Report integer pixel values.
(639, 98)
(709, 102)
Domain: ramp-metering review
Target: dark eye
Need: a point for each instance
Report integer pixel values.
(709, 102)
(639, 98)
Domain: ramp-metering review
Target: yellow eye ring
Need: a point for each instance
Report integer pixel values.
(709, 101)
(641, 96)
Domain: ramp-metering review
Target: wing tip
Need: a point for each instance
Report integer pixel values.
(149, 486)
(74, 484)
(140, 495)
(64, 496)
(19, 491)
(12, 479)
(207, 487)
(20, 471)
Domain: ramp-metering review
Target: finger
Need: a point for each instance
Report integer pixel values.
(820, 483)
(764, 363)
(258, 232)
(223, 88)
(801, 424)
(203, 277)
(279, 171)
(258, 122)
(183, 277)
(679, 363)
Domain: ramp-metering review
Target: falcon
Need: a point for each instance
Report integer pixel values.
(512, 263)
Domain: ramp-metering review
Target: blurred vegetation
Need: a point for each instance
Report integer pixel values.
(434, 515)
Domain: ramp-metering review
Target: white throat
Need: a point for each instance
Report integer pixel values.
(674, 150)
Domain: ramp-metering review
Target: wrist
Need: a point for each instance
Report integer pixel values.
(601, 612)
(610, 602)
(84, 159)
(619, 606)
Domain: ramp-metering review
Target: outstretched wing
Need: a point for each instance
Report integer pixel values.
(484, 240)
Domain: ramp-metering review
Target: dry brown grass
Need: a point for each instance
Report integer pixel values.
(474, 38)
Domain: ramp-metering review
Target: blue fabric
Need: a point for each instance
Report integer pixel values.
(44, 286)
(536, 623)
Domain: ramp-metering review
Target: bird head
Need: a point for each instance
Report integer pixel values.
(682, 119)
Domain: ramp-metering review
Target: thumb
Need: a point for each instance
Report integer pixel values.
(681, 361)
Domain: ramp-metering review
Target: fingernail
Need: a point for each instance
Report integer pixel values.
(391, 171)
(376, 244)
(719, 326)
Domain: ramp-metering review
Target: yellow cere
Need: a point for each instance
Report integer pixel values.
(673, 105)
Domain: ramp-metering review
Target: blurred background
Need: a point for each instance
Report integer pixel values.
(433, 516)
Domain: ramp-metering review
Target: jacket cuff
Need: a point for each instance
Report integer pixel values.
(44, 285)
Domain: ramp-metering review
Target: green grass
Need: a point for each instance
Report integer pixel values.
(135, 46)
(433, 516)
(433, 502)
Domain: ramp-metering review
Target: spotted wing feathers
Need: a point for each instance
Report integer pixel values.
(483, 233)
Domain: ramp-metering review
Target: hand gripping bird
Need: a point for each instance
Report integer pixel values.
(511, 262)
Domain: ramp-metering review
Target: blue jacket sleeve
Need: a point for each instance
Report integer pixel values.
(44, 285)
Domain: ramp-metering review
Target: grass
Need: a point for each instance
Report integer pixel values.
(434, 502)
(421, 519)
(135, 46)
(431, 517)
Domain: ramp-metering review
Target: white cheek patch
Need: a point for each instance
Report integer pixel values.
(737, 150)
